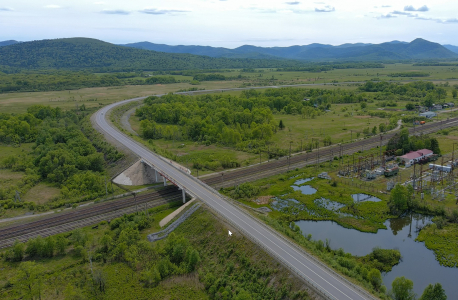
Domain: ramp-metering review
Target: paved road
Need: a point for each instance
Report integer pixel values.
(316, 274)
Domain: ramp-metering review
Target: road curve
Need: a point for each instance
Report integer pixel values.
(320, 277)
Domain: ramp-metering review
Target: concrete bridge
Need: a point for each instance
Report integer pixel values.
(145, 172)
(318, 276)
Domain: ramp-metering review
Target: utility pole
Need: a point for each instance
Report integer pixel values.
(351, 135)
(135, 198)
(289, 158)
(453, 157)
(318, 144)
(290, 142)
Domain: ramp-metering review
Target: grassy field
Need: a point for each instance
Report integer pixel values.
(335, 124)
(92, 97)
(230, 259)
(272, 76)
(95, 97)
(41, 193)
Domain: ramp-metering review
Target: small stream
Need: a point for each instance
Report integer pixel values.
(418, 263)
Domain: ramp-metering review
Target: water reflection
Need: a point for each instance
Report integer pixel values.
(302, 181)
(418, 263)
(305, 189)
(328, 204)
(290, 206)
(399, 223)
(364, 197)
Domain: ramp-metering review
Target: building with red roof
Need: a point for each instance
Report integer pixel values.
(415, 156)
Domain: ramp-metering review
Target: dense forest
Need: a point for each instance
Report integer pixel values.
(424, 92)
(322, 67)
(60, 80)
(243, 122)
(404, 143)
(95, 55)
(67, 153)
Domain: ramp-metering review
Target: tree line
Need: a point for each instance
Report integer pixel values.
(62, 155)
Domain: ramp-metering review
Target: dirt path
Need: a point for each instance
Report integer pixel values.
(125, 120)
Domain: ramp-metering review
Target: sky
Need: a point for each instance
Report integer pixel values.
(231, 23)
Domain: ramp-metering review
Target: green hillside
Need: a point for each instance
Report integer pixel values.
(84, 53)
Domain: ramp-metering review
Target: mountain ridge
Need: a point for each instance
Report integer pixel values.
(394, 50)
(8, 42)
(85, 53)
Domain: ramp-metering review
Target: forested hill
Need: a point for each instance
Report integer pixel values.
(395, 50)
(7, 43)
(84, 53)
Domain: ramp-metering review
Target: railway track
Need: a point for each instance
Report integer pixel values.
(86, 216)
(266, 169)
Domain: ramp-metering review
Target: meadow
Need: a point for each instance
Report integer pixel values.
(86, 268)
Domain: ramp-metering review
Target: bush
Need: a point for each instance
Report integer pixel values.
(18, 251)
(80, 251)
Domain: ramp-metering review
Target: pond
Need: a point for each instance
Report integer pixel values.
(305, 189)
(418, 263)
(328, 204)
(290, 206)
(364, 197)
(279, 204)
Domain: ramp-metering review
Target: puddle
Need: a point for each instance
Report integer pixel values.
(364, 197)
(302, 181)
(305, 189)
(278, 203)
(329, 204)
(291, 206)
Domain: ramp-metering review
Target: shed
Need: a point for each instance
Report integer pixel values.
(428, 114)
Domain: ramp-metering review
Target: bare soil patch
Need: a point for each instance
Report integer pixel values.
(263, 200)
(7, 174)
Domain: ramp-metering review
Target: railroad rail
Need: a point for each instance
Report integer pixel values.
(86, 216)
(229, 178)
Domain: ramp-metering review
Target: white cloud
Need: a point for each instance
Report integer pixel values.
(155, 11)
(411, 8)
(115, 12)
(326, 8)
(293, 3)
(264, 10)
(387, 16)
(6, 9)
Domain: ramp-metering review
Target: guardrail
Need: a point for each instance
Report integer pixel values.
(164, 233)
